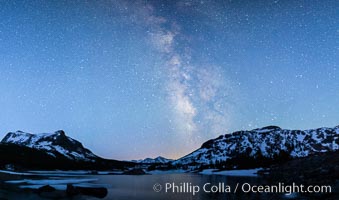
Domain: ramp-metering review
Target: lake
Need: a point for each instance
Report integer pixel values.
(132, 187)
(141, 187)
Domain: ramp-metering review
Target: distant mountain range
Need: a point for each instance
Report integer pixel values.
(157, 160)
(242, 149)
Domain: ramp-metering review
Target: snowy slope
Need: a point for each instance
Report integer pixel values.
(54, 144)
(268, 142)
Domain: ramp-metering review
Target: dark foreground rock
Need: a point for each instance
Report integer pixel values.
(135, 172)
(318, 169)
(99, 192)
(46, 188)
(50, 192)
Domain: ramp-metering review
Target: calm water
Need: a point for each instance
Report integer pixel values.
(125, 187)
(141, 187)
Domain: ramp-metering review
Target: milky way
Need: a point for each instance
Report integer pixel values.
(133, 79)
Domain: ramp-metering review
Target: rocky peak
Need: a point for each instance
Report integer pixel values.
(53, 143)
(61, 133)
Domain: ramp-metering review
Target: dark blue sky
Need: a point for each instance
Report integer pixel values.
(132, 79)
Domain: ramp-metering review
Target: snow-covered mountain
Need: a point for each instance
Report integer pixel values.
(54, 144)
(157, 160)
(267, 143)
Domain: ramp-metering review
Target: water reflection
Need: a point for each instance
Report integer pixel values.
(141, 187)
(131, 187)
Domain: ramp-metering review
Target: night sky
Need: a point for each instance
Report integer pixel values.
(136, 79)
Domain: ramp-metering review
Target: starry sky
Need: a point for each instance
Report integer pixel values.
(136, 79)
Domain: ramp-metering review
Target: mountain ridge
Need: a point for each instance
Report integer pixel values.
(267, 144)
(52, 143)
(259, 147)
(51, 151)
